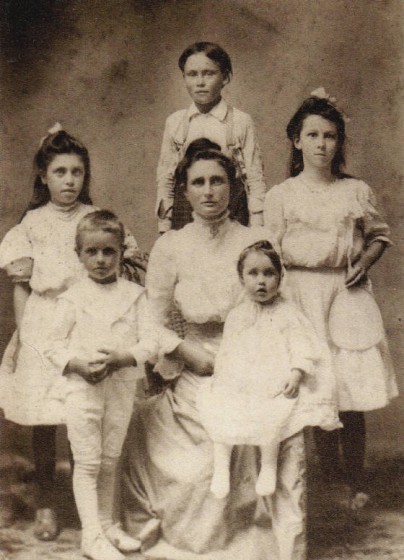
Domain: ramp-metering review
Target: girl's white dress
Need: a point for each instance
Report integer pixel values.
(39, 250)
(317, 230)
(243, 403)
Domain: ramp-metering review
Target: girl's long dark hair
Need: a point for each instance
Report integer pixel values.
(55, 144)
(323, 108)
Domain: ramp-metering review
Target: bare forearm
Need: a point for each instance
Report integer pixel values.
(182, 352)
(195, 357)
(22, 291)
(357, 273)
(372, 254)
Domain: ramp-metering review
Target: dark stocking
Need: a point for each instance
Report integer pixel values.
(353, 441)
(44, 447)
(327, 444)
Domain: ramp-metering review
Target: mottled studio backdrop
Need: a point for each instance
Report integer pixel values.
(107, 70)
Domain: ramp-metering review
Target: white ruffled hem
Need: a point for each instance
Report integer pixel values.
(365, 379)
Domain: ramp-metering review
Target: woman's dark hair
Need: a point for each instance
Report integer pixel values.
(201, 144)
(204, 149)
(323, 108)
(55, 144)
(264, 247)
(212, 51)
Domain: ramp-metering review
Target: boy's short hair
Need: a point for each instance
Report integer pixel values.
(100, 220)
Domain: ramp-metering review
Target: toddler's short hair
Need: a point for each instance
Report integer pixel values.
(100, 220)
(264, 247)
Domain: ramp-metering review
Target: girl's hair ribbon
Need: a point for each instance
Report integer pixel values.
(320, 93)
(57, 127)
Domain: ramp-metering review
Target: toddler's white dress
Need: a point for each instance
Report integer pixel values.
(243, 403)
(318, 230)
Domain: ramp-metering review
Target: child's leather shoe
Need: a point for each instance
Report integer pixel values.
(46, 527)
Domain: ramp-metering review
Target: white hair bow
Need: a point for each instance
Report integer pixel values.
(320, 93)
(57, 127)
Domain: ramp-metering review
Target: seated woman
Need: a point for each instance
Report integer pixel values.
(168, 457)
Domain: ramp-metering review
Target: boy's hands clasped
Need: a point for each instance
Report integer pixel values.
(92, 371)
(96, 370)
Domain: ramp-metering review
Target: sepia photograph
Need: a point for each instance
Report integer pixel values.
(201, 280)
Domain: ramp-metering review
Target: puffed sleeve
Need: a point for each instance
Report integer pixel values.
(304, 346)
(254, 171)
(16, 254)
(374, 226)
(63, 322)
(161, 279)
(274, 220)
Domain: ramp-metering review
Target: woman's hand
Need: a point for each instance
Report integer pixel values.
(291, 387)
(203, 362)
(196, 357)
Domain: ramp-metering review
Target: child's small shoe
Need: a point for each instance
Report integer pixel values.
(46, 526)
(99, 548)
(121, 540)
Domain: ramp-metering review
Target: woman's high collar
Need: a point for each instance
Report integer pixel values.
(213, 225)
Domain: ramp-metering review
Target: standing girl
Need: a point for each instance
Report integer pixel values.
(330, 234)
(206, 69)
(38, 254)
(265, 388)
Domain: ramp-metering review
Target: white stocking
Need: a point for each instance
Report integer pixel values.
(85, 494)
(266, 482)
(106, 490)
(220, 485)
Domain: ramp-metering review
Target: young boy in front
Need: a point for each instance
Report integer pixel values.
(101, 334)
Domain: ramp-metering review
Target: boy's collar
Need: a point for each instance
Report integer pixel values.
(105, 281)
(219, 111)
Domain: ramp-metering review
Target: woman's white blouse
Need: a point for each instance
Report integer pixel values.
(320, 227)
(196, 267)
